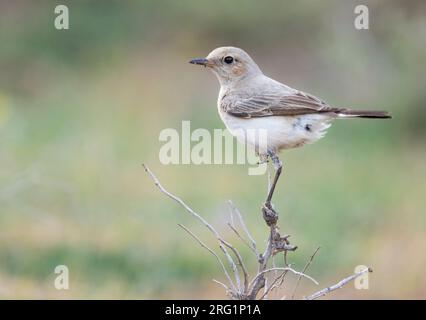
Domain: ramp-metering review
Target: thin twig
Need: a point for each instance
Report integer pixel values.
(269, 176)
(202, 244)
(338, 285)
(266, 287)
(231, 218)
(228, 291)
(303, 271)
(274, 284)
(283, 269)
(244, 226)
(232, 265)
(240, 236)
(282, 276)
(239, 259)
(222, 284)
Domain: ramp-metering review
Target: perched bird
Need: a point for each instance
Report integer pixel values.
(249, 100)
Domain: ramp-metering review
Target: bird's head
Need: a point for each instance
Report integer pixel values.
(230, 64)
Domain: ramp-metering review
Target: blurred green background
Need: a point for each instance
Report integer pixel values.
(81, 110)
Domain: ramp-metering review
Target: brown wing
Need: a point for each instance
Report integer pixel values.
(275, 105)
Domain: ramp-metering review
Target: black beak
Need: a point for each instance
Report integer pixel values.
(200, 61)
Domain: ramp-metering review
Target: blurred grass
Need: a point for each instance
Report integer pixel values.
(80, 110)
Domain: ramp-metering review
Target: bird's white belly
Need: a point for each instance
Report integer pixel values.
(280, 132)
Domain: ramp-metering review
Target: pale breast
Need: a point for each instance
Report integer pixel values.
(280, 132)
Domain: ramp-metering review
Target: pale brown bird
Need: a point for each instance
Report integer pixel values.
(249, 100)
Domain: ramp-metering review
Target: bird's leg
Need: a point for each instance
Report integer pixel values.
(278, 167)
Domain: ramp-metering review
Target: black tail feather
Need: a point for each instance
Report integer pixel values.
(364, 114)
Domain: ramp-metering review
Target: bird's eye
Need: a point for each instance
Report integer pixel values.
(228, 59)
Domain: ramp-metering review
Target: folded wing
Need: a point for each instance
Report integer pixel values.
(275, 105)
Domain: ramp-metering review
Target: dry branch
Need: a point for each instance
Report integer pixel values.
(275, 244)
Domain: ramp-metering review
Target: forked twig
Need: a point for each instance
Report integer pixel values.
(202, 244)
(211, 228)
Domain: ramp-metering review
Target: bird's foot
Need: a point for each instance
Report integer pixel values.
(263, 159)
